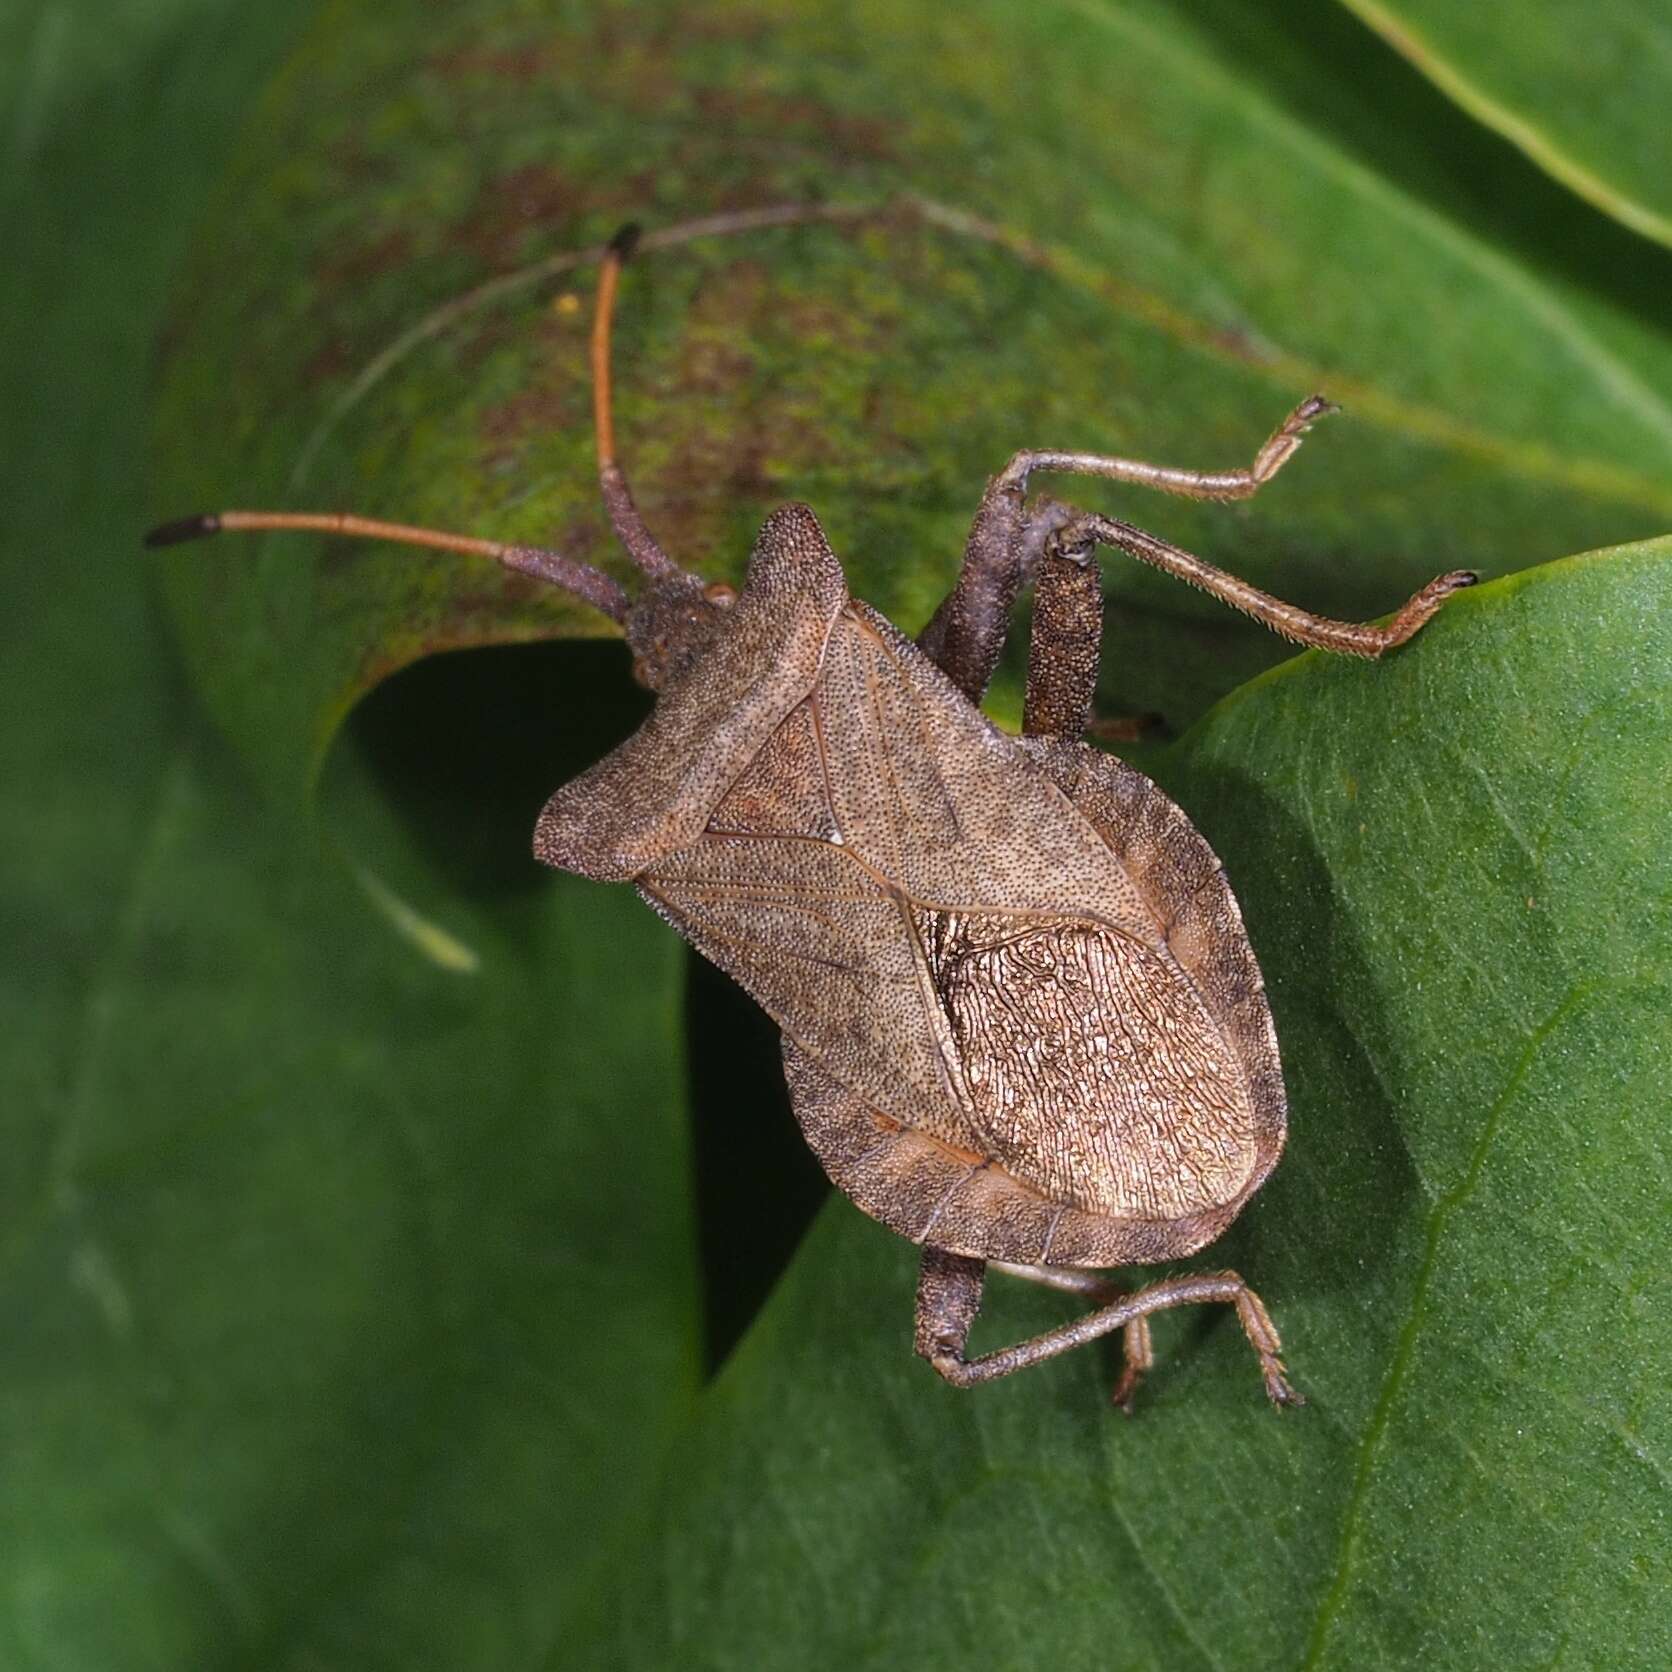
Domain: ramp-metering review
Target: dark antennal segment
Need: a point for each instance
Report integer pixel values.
(581, 579)
(182, 529)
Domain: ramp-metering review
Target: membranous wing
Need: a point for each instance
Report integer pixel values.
(925, 913)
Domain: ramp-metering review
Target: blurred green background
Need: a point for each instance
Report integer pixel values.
(404, 1254)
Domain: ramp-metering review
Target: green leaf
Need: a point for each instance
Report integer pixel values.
(1157, 254)
(1454, 867)
(346, 1298)
(319, 1339)
(347, 1270)
(1582, 90)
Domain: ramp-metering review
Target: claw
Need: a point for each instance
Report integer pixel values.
(1310, 411)
(1279, 1390)
(1125, 1389)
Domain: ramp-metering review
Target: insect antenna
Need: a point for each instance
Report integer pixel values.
(602, 591)
(591, 585)
(629, 526)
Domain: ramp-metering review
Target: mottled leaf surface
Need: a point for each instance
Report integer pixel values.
(1088, 225)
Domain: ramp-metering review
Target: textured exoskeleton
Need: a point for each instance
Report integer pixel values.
(1021, 1018)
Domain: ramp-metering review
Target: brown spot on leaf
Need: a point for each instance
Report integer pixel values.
(555, 401)
(355, 162)
(740, 110)
(551, 407)
(732, 437)
(513, 208)
(355, 264)
(519, 64)
(329, 361)
(731, 25)
(488, 333)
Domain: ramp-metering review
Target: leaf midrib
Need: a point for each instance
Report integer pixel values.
(1448, 1206)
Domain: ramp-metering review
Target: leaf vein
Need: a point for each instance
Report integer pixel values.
(1404, 1354)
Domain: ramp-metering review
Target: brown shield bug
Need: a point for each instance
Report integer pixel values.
(1022, 1022)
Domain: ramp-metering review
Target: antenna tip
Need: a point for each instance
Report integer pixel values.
(183, 528)
(622, 245)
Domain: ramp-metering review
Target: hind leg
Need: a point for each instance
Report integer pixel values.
(949, 1296)
(1137, 1351)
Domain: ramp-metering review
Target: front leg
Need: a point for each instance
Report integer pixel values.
(966, 634)
(1066, 646)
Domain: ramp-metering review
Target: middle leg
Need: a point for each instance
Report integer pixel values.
(1066, 645)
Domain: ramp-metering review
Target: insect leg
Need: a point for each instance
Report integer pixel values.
(1280, 447)
(948, 1298)
(1067, 641)
(968, 630)
(1137, 1352)
(949, 1294)
(624, 515)
(1347, 638)
(1006, 540)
